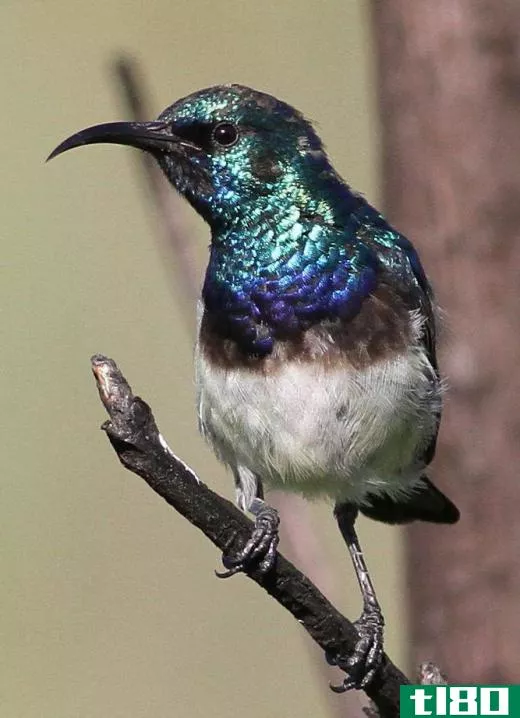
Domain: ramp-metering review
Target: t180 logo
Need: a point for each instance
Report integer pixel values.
(447, 701)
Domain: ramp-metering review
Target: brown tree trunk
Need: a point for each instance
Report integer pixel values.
(449, 74)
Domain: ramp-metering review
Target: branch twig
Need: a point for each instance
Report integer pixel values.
(178, 252)
(301, 539)
(431, 675)
(140, 447)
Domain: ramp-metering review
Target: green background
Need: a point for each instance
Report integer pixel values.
(109, 602)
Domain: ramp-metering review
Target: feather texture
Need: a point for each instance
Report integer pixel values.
(324, 428)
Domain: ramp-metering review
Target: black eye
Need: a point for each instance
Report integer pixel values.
(225, 134)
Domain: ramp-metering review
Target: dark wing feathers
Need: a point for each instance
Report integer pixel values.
(426, 503)
(428, 337)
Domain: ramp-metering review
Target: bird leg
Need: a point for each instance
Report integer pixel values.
(362, 665)
(261, 548)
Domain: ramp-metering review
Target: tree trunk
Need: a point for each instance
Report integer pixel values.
(449, 76)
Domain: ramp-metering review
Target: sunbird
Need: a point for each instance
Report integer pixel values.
(315, 360)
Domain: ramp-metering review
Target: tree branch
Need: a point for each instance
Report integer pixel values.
(177, 252)
(134, 435)
(301, 539)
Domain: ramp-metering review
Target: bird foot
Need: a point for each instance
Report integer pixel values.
(261, 547)
(362, 665)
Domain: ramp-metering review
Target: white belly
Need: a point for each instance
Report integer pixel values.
(322, 431)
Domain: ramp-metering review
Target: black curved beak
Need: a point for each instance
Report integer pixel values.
(155, 137)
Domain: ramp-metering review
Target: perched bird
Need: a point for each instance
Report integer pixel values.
(315, 360)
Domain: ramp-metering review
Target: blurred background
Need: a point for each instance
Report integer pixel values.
(97, 618)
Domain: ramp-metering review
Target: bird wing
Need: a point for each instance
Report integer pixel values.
(428, 336)
(426, 300)
(399, 256)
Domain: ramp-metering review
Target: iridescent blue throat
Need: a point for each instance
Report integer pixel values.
(272, 280)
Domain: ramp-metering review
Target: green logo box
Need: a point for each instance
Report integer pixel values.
(447, 701)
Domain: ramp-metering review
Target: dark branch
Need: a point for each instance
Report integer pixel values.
(300, 538)
(140, 447)
(179, 254)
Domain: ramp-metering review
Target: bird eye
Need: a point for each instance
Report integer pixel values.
(225, 134)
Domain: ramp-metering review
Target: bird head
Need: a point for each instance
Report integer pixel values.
(227, 149)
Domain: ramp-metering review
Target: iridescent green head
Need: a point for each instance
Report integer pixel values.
(254, 146)
(284, 250)
(225, 148)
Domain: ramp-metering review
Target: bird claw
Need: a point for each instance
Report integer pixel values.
(260, 549)
(361, 667)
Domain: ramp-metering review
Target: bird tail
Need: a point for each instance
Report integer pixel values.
(425, 503)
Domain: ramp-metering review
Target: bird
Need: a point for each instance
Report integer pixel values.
(315, 361)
